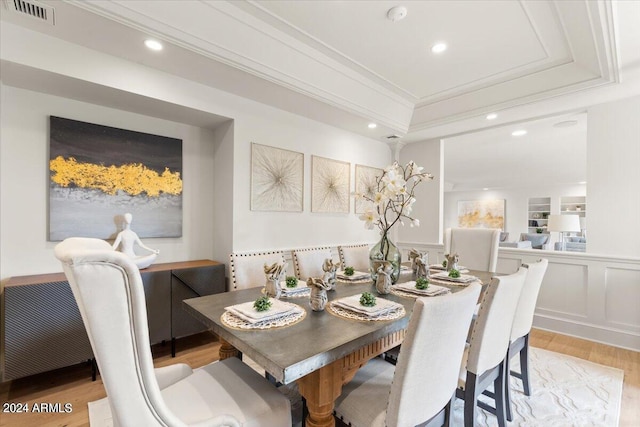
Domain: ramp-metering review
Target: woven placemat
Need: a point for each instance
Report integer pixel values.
(348, 314)
(232, 321)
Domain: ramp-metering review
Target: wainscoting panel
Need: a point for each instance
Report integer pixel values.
(595, 297)
(622, 286)
(564, 291)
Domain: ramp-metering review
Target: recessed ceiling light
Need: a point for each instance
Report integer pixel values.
(439, 47)
(492, 116)
(519, 132)
(397, 13)
(153, 44)
(582, 182)
(485, 188)
(372, 125)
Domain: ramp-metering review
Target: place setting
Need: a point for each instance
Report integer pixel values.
(366, 307)
(454, 277)
(351, 275)
(292, 287)
(263, 313)
(420, 287)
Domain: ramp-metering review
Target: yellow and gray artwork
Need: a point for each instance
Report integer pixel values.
(98, 172)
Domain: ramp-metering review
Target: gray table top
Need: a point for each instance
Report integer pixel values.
(291, 352)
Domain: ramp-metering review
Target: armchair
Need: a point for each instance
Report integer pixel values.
(538, 240)
(108, 289)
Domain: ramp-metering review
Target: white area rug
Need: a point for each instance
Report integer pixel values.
(566, 391)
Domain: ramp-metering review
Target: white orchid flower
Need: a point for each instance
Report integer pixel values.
(415, 223)
(370, 218)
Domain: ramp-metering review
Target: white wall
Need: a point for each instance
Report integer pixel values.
(225, 223)
(613, 176)
(284, 230)
(516, 204)
(24, 178)
(428, 205)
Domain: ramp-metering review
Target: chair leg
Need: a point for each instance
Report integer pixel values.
(499, 391)
(447, 411)
(524, 366)
(470, 398)
(507, 386)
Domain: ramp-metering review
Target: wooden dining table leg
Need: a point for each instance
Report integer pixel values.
(320, 389)
(227, 350)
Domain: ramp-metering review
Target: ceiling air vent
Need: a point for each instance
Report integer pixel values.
(33, 9)
(394, 137)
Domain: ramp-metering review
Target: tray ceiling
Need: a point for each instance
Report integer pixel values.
(345, 63)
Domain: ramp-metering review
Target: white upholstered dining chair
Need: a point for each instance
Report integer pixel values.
(356, 256)
(308, 262)
(477, 247)
(247, 269)
(484, 361)
(420, 387)
(108, 289)
(522, 323)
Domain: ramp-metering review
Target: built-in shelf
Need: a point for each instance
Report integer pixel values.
(575, 205)
(538, 215)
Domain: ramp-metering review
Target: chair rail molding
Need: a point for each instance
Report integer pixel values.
(591, 296)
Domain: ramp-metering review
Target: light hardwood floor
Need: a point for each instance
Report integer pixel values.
(73, 385)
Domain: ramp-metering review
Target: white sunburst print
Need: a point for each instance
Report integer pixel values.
(276, 179)
(366, 183)
(329, 185)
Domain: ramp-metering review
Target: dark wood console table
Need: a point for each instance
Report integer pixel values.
(43, 329)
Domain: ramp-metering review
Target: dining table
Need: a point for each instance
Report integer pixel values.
(322, 351)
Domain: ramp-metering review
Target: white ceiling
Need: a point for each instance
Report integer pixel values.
(346, 64)
(553, 152)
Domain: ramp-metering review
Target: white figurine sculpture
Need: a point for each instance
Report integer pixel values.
(127, 239)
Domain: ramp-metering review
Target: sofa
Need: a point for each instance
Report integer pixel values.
(530, 241)
(572, 244)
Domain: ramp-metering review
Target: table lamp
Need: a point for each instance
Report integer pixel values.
(563, 224)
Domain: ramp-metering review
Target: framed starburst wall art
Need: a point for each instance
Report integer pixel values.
(98, 173)
(330, 181)
(366, 183)
(277, 177)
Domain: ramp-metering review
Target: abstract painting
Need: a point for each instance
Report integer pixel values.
(98, 173)
(481, 214)
(277, 178)
(330, 181)
(366, 183)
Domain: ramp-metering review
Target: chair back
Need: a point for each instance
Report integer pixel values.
(426, 374)
(108, 289)
(492, 328)
(356, 256)
(247, 269)
(523, 319)
(308, 262)
(477, 247)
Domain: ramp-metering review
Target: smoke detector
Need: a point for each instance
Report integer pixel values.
(396, 13)
(32, 9)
